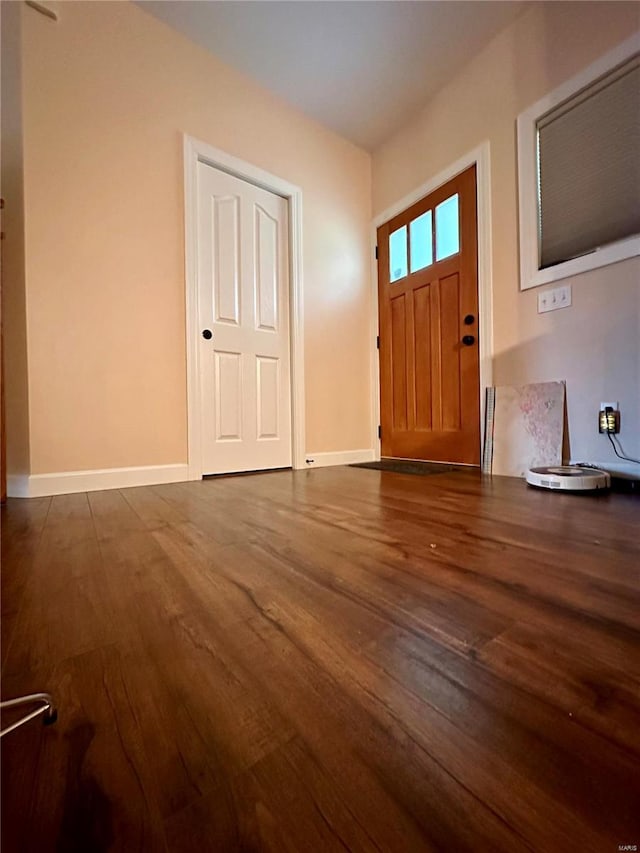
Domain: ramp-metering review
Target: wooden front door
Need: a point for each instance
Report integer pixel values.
(428, 309)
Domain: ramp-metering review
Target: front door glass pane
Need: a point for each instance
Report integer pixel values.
(421, 241)
(447, 228)
(398, 254)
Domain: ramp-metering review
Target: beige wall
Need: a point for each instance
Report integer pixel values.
(13, 279)
(595, 344)
(108, 92)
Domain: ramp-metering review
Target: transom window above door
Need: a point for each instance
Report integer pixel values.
(427, 237)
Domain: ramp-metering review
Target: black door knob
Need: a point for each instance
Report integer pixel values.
(468, 340)
(207, 334)
(468, 320)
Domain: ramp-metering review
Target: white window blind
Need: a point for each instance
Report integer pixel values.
(589, 167)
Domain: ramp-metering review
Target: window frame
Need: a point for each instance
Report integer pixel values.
(530, 273)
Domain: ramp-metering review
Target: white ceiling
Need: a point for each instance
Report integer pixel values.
(360, 67)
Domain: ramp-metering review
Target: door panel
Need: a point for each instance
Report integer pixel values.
(268, 373)
(429, 379)
(422, 349)
(228, 386)
(243, 290)
(226, 263)
(267, 269)
(450, 352)
(399, 348)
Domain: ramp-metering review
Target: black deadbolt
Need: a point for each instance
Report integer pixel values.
(207, 334)
(468, 320)
(468, 340)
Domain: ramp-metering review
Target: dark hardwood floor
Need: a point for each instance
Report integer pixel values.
(339, 659)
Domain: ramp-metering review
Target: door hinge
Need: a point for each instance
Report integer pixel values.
(376, 253)
(377, 341)
(379, 431)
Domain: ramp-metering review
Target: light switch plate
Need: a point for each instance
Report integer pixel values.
(551, 300)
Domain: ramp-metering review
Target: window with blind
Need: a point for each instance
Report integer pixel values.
(580, 189)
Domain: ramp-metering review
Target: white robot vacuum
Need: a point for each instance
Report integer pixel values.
(569, 478)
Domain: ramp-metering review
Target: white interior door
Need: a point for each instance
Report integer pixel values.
(243, 301)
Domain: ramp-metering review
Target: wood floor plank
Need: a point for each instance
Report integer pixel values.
(21, 524)
(357, 750)
(338, 659)
(471, 763)
(170, 608)
(409, 800)
(285, 782)
(65, 578)
(88, 783)
(528, 555)
(211, 514)
(440, 550)
(565, 674)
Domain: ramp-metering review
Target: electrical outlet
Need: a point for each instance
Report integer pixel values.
(551, 300)
(609, 421)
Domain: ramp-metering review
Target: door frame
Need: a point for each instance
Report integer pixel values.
(480, 157)
(196, 151)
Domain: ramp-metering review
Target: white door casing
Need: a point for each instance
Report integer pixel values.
(243, 299)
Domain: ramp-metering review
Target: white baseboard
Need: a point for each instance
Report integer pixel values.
(18, 486)
(68, 482)
(342, 457)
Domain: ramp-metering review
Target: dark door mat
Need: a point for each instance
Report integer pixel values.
(404, 466)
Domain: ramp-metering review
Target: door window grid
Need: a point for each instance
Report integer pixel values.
(413, 249)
